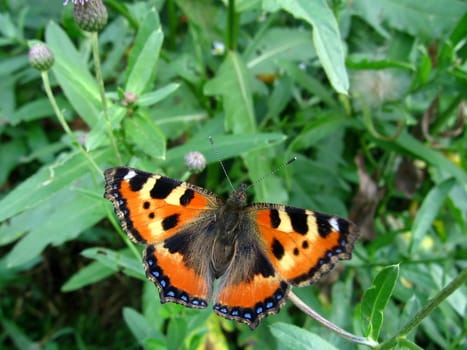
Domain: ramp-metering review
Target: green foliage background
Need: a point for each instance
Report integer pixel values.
(369, 95)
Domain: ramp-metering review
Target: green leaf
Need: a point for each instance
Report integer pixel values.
(363, 63)
(87, 275)
(8, 66)
(18, 336)
(319, 128)
(11, 153)
(148, 25)
(423, 70)
(376, 298)
(177, 332)
(428, 210)
(99, 135)
(406, 344)
(142, 71)
(64, 217)
(312, 85)
(47, 181)
(427, 19)
(140, 327)
(39, 108)
(295, 338)
(279, 44)
(145, 134)
(122, 260)
(151, 98)
(73, 75)
(233, 83)
(326, 37)
(417, 149)
(226, 146)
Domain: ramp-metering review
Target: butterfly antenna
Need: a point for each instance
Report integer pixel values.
(283, 165)
(211, 140)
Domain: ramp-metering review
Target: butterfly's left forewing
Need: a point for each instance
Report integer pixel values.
(175, 220)
(301, 244)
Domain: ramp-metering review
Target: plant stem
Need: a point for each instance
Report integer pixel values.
(61, 119)
(328, 324)
(172, 21)
(232, 26)
(100, 81)
(427, 309)
(122, 234)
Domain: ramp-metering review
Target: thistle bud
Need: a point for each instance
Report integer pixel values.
(195, 161)
(40, 57)
(129, 98)
(90, 15)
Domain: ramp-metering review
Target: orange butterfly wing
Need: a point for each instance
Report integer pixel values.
(168, 216)
(302, 245)
(250, 289)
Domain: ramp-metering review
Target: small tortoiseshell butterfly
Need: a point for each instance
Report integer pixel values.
(193, 237)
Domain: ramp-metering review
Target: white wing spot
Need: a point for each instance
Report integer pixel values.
(131, 174)
(335, 225)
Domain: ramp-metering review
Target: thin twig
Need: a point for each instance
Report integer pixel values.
(100, 81)
(64, 124)
(328, 324)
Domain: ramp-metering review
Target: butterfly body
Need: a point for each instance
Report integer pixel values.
(194, 237)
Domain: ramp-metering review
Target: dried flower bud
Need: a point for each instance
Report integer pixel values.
(90, 15)
(129, 98)
(195, 161)
(40, 57)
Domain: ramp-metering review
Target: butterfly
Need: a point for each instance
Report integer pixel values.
(193, 237)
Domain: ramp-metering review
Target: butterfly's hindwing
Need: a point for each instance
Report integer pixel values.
(175, 279)
(250, 289)
(265, 296)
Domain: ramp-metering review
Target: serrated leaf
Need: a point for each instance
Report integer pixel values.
(376, 298)
(73, 76)
(295, 338)
(146, 135)
(326, 37)
(87, 275)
